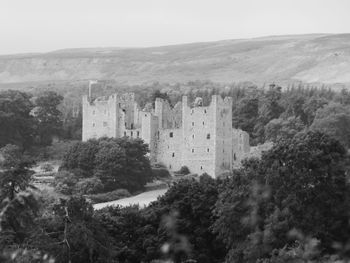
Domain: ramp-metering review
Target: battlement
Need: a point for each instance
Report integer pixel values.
(199, 137)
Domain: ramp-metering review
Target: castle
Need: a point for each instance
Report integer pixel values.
(201, 138)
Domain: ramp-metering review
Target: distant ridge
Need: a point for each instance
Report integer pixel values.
(313, 58)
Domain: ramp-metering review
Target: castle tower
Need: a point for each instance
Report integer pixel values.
(100, 117)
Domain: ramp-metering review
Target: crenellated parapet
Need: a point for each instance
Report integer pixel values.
(193, 135)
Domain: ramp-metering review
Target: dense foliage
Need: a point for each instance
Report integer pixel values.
(177, 224)
(117, 163)
(301, 184)
(290, 206)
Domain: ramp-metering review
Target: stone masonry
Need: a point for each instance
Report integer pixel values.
(201, 138)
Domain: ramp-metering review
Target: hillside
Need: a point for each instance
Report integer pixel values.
(308, 58)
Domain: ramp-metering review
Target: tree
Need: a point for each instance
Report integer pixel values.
(311, 106)
(81, 156)
(17, 124)
(269, 109)
(334, 120)
(175, 227)
(15, 172)
(295, 107)
(18, 208)
(48, 116)
(280, 128)
(245, 115)
(122, 163)
(118, 163)
(70, 233)
(298, 182)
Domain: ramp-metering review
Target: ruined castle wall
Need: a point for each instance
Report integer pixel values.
(240, 146)
(134, 133)
(127, 104)
(169, 149)
(198, 138)
(100, 117)
(169, 118)
(223, 133)
(137, 116)
(149, 133)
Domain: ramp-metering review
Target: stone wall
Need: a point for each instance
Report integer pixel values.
(100, 117)
(201, 138)
(169, 149)
(169, 118)
(198, 126)
(240, 146)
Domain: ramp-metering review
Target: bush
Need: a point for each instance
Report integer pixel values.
(65, 182)
(183, 170)
(91, 185)
(160, 173)
(109, 196)
(159, 165)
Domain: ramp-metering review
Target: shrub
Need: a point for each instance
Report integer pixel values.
(160, 173)
(159, 165)
(183, 170)
(65, 182)
(91, 185)
(109, 196)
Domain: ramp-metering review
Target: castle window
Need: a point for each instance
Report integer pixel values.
(192, 123)
(192, 136)
(132, 126)
(193, 150)
(208, 136)
(203, 123)
(105, 124)
(207, 149)
(158, 134)
(131, 134)
(125, 133)
(201, 167)
(173, 154)
(93, 124)
(205, 111)
(171, 135)
(234, 157)
(138, 133)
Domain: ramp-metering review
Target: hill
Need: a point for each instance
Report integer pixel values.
(319, 58)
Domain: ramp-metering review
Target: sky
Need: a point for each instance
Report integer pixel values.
(47, 25)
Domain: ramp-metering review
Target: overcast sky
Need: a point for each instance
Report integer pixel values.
(46, 25)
